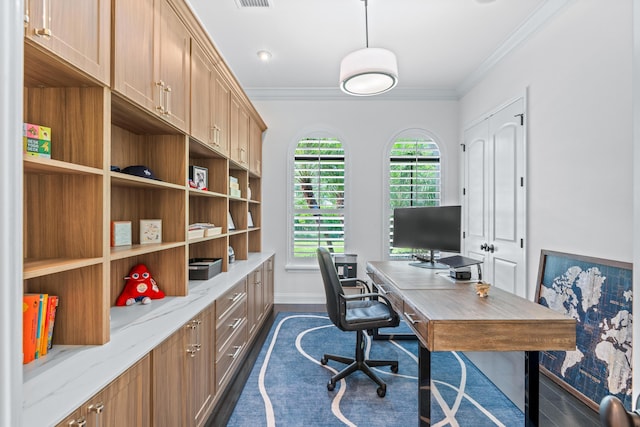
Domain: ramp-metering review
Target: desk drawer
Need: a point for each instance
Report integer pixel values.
(391, 293)
(227, 326)
(418, 323)
(230, 298)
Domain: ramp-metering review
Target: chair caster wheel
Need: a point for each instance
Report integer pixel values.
(324, 360)
(332, 385)
(394, 368)
(382, 391)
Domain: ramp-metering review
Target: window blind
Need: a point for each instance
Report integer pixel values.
(318, 197)
(414, 179)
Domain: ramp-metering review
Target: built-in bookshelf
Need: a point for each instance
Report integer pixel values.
(98, 127)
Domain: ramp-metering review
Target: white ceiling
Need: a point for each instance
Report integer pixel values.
(441, 45)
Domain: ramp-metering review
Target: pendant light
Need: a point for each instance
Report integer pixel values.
(368, 71)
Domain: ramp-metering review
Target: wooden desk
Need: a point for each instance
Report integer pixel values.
(449, 316)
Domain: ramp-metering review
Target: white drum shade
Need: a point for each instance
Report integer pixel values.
(368, 71)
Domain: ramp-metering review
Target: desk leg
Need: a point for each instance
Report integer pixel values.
(424, 386)
(531, 388)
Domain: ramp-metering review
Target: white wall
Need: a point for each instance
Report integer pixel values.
(365, 127)
(577, 72)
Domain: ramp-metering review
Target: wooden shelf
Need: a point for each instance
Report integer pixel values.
(124, 180)
(204, 193)
(44, 165)
(121, 252)
(43, 267)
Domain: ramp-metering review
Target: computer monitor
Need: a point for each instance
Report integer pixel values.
(433, 228)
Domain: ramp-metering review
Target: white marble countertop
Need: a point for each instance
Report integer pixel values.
(67, 376)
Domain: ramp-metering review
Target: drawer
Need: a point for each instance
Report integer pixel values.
(230, 298)
(229, 355)
(391, 293)
(417, 322)
(236, 320)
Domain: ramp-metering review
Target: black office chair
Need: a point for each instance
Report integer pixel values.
(359, 312)
(614, 414)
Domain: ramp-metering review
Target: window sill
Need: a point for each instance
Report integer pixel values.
(301, 267)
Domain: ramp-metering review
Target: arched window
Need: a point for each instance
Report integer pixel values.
(318, 198)
(414, 179)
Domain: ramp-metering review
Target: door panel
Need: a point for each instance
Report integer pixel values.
(495, 197)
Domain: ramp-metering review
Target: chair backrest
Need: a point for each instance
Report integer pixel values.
(332, 286)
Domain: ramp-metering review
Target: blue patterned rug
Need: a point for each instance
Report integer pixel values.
(288, 385)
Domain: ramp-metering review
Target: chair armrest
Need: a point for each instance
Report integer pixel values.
(369, 295)
(353, 282)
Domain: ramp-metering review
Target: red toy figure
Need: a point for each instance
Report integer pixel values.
(139, 287)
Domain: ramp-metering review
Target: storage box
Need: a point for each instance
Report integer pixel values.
(347, 265)
(36, 140)
(204, 268)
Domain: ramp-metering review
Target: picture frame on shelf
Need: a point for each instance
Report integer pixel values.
(598, 294)
(249, 220)
(120, 233)
(150, 231)
(230, 225)
(199, 176)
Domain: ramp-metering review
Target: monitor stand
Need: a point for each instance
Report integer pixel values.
(430, 262)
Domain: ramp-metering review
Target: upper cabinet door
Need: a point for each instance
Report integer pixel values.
(174, 64)
(221, 106)
(151, 59)
(239, 133)
(201, 95)
(135, 56)
(76, 31)
(255, 148)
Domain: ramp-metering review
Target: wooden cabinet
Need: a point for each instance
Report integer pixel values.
(183, 383)
(78, 32)
(126, 401)
(119, 100)
(239, 132)
(209, 102)
(255, 300)
(255, 148)
(268, 280)
(151, 58)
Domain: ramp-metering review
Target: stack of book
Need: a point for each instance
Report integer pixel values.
(234, 187)
(38, 319)
(203, 229)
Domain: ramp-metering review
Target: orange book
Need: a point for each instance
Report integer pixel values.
(48, 327)
(30, 303)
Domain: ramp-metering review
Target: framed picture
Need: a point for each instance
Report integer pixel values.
(150, 231)
(598, 294)
(200, 177)
(230, 224)
(249, 220)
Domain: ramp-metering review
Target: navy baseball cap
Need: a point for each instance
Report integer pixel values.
(140, 170)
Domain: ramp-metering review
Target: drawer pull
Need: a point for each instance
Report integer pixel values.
(236, 323)
(191, 352)
(80, 422)
(237, 352)
(382, 290)
(236, 296)
(410, 318)
(97, 408)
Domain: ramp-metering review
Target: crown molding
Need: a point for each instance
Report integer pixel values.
(335, 94)
(538, 19)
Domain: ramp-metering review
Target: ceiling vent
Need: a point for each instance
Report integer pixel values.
(253, 3)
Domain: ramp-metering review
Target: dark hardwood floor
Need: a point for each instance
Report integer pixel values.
(557, 407)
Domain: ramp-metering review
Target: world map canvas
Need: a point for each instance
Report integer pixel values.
(598, 294)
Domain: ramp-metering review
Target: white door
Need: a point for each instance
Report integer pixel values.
(494, 197)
